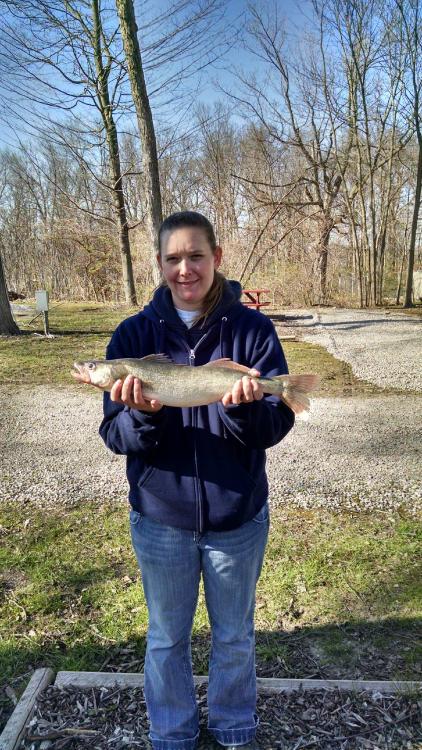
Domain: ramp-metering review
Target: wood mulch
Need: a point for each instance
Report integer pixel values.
(116, 719)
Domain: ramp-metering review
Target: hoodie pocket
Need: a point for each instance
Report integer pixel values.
(168, 496)
(263, 514)
(144, 476)
(134, 517)
(228, 488)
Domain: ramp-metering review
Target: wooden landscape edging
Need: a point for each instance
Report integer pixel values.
(264, 684)
(15, 727)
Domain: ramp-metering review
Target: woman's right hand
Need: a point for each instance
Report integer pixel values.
(129, 393)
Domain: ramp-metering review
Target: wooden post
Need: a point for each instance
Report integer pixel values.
(46, 328)
(13, 731)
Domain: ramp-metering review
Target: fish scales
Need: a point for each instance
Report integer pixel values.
(182, 385)
(179, 385)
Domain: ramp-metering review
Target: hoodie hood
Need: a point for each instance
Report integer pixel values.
(161, 308)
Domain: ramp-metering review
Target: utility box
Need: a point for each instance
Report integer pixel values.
(41, 300)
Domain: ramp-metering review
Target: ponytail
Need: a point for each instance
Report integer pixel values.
(213, 298)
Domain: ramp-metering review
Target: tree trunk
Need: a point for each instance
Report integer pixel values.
(120, 208)
(114, 158)
(322, 261)
(400, 277)
(411, 256)
(381, 263)
(8, 326)
(151, 180)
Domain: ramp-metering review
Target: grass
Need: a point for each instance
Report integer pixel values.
(416, 310)
(64, 607)
(80, 331)
(339, 590)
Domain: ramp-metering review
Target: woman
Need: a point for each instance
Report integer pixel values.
(198, 487)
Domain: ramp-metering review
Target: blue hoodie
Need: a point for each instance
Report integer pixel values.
(198, 468)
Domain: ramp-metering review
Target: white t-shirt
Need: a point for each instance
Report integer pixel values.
(188, 316)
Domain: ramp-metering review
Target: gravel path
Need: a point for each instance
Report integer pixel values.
(383, 348)
(352, 453)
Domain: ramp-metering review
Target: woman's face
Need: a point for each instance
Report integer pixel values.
(188, 264)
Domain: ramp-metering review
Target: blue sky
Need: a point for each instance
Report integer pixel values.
(295, 12)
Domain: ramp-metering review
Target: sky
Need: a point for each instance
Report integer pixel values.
(297, 14)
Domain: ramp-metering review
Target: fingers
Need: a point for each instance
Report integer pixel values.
(137, 392)
(129, 393)
(116, 391)
(244, 390)
(227, 398)
(127, 390)
(258, 392)
(237, 392)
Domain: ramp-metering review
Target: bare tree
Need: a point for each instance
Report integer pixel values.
(219, 160)
(410, 20)
(288, 106)
(195, 38)
(364, 92)
(151, 179)
(85, 61)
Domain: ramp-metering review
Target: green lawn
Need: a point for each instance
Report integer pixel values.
(63, 606)
(80, 331)
(339, 594)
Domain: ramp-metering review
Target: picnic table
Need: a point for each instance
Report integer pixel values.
(254, 297)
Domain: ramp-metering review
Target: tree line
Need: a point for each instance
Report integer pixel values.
(309, 165)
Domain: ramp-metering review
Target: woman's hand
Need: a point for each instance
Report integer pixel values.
(244, 391)
(129, 393)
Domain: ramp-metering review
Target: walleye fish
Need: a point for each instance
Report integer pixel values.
(182, 385)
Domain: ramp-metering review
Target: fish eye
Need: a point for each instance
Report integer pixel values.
(91, 365)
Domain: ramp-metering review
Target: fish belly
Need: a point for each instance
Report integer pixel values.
(187, 387)
(170, 397)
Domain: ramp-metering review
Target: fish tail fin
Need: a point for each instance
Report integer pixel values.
(293, 390)
(297, 402)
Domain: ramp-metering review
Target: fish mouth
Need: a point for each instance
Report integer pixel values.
(80, 373)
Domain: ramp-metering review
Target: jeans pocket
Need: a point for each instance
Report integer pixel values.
(263, 514)
(134, 517)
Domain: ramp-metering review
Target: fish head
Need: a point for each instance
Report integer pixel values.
(95, 372)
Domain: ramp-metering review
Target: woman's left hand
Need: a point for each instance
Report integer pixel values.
(244, 391)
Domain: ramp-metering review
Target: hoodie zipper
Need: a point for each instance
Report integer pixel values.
(197, 484)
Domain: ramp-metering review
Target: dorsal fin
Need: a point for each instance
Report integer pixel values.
(160, 359)
(228, 364)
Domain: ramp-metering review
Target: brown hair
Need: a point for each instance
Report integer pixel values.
(195, 219)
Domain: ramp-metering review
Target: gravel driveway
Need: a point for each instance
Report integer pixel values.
(384, 348)
(352, 453)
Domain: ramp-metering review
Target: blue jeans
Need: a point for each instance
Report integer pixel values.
(171, 561)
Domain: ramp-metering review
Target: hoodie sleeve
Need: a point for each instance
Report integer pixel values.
(126, 430)
(261, 424)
